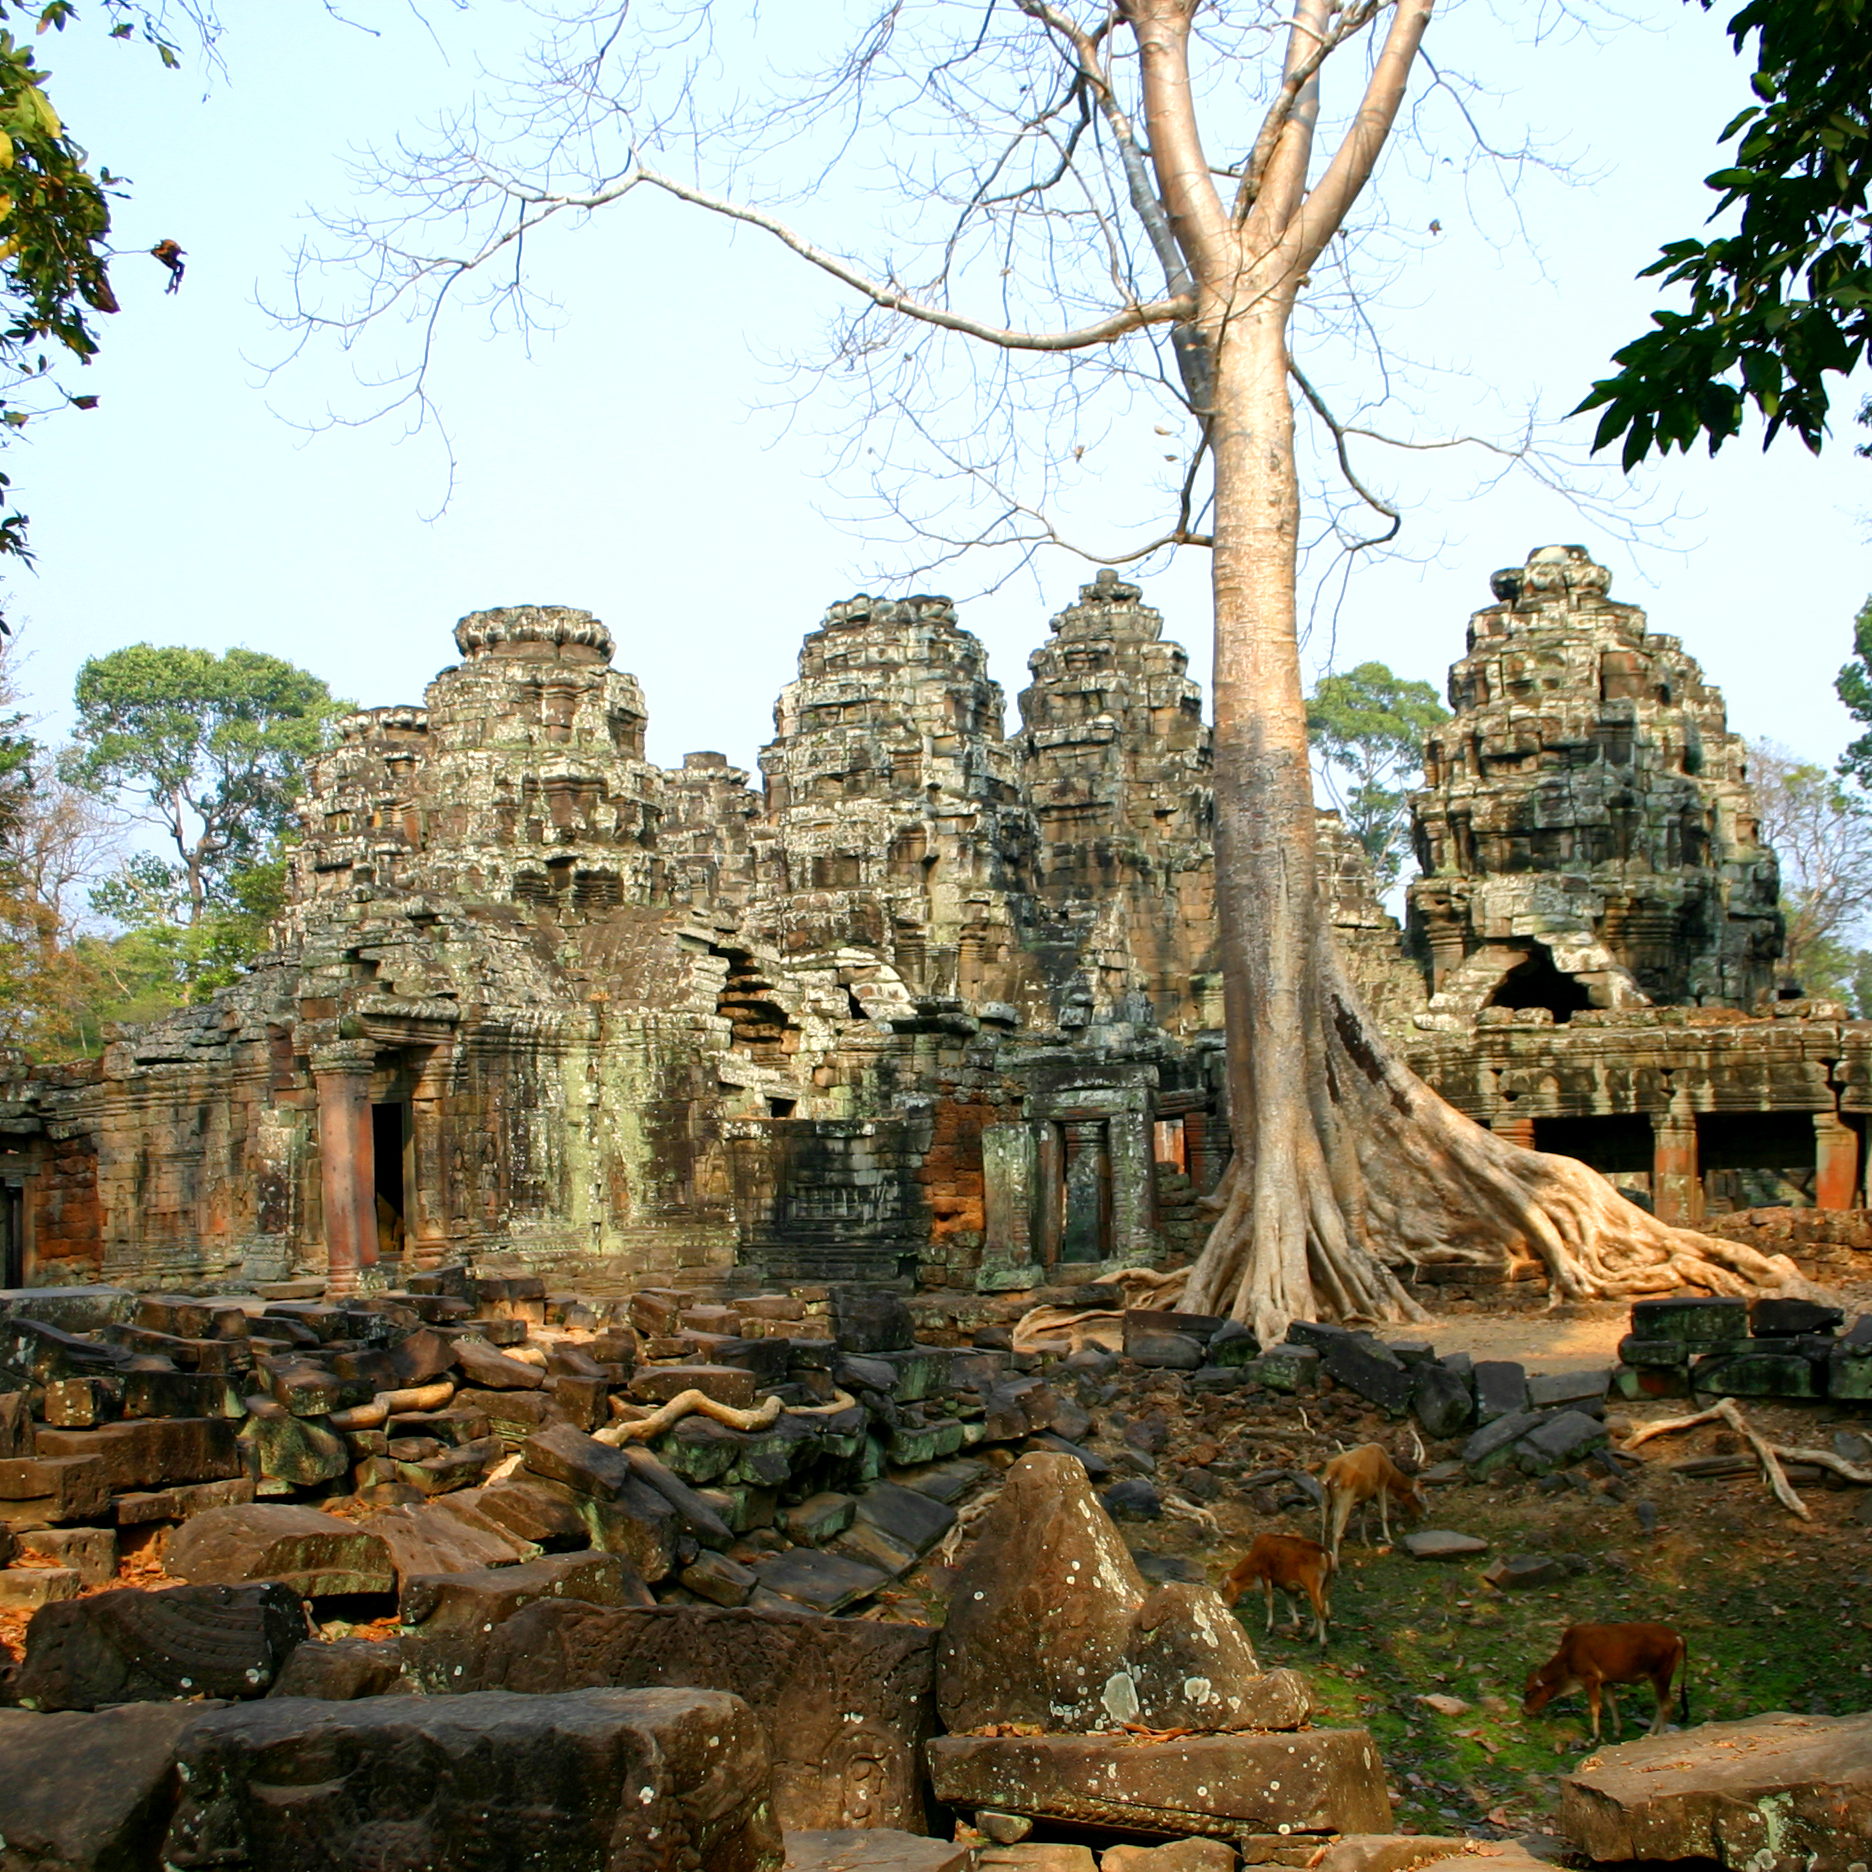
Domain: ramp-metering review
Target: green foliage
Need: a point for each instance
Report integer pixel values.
(211, 748)
(1854, 687)
(1785, 301)
(1367, 729)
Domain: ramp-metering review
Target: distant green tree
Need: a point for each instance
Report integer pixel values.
(210, 748)
(1783, 302)
(1821, 831)
(1367, 729)
(1854, 687)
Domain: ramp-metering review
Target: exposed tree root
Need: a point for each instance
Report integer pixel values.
(763, 1416)
(387, 1404)
(1770, 1455)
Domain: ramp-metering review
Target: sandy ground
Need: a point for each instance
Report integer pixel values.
(1563, 1339)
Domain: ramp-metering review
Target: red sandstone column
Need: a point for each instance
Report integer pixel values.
(425, 1213)
(1676, 1176)
(1514, 1130)
(1836, 1162)
(347, 1159)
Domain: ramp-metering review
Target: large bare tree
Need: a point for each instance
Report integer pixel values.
(1160, 188)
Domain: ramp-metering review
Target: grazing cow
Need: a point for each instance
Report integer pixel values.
(1594, 1657)
(1354, 1480)
(1293, 1563)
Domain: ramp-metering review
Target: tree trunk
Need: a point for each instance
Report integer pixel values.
(1348, 1171)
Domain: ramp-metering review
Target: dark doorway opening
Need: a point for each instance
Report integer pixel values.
(12, 1235)
(1621, 1143)
(1536, 983)
(389, 1137)
(1753, 1160)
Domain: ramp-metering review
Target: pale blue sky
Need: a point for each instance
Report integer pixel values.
(625, 463)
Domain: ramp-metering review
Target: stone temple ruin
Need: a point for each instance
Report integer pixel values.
(936, 1002)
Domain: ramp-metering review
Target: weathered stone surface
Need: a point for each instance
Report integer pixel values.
(1313, 1781)
(140, 1647)
(288, 1452)
(873, 1849)
(562, 1454)
(453, 1604)
(90, 1792)
(75, 1309)
(806, 1678)
(491, 1370)
(1389, 1852)
(593, 1781)
(818, 1582)
(1441, 1401)
(1184, 1855)
(41, 1491)
(1565, 1437)
(1493, 1446)
(1442, 1544)
(153, 1453)
(1500, 1389)
(342, 1669)
(1776, 1315)
(1051, 1622)
(719, 1580)
(1775, 1793)
(726, 1384)
(26, 1589)
(447, 1536)
(1701, 1322)
(870, 1320)
(313, 1553)
(1553, 1390)
(91, 1552)
(181, 1502)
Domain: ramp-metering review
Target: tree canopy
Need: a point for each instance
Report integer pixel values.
(1367, 727)
(211, 748)
(1783, 302)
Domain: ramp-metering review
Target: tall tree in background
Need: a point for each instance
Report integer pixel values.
(211, 749)
(1783, 302)
(1853, 685)
(1822, 833)
(1367, 727)
(1146, 186)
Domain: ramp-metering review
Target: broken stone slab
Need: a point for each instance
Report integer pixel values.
(846, 1703)
(817, 1581)
(1442, 1544)
(91, 1552)
(532, 1512)
(725, 1384)
(153, 1452)
(1500, 1389)
(905, 1516)
(287, 1452)
(1165, 1351)
(477, 1600)
(697, 1516)
(1184, 1855)
(1654, 1354)
(42, 1491)
(1561, 1439)
(1050, 1621)
(1030, 1855)
(16, 1424)
(144, 1647)
(90, 1792)
(570, 1783)
(1527, 1572)
(1774, 1793)
(181, 1502)
(1548, 1390)
(341, 1669)
(488, 1369)
(1492, 1447)
(1776, 1316)
(1441, 1401)
(1701, 1322)
(73, 1309)
(26, 1589)
(447, 1536)
(1287, 1368)
(313, 1553)
(1317, 1781)
(1370, 1369)
(819, 1518)
(581, 1462)
(719, 1580)
(873, 1849)
(184, 1316)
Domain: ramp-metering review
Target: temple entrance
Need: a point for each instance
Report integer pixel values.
(1537, 983)
(1620, 1146)
(12, 1235)
(1753, 1160)
(390, 1133)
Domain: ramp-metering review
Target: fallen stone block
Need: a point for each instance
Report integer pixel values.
(532, 1512)
(1167, 1351)
(341, 1670)
(871, 1319)
(90, 1552)
(1776, 1316)
(1758, 1374)
(726, 1384)
(1492, 1447)
(75, 1309)
(142, 1647)
(181, 1502)
(1442, 1544)
(81, 1403)
(1500, 1389)
(819, 1518)
(434, 1603)
(182, 1315)
(1035, 1856)
(1390, 1852)
(308, 1389)
(1561, 1439)
(697, 1516)
(90, 1793)
(1527, 1572)
(1184, 1855)
(447, 1536)
(41, 1491)
(1655, 1354)
(1775, 1793)
(313, 1553)
(16, 1424)
(912, 1520)
(1371, 1370)
(1287, 1368)
(154, 1452)
(816, 1581)
(1698, 1322)
(26, 1589)
(575, 1783)
(581, 1462)
(488, 1369)
(846, 1703)
(287, 1452)
(1441, 1401)
(1552, 1390)
(1315, 1781)
(873, 1849)
(719, 1580)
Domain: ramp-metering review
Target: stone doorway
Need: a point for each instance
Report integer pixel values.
(12, 1235)
(390, 1142)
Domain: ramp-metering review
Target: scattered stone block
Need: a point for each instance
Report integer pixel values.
(141, 1647)
(1167, 1351)
(1442, 1544)
(1233, 1344)
(1035, 1856)
(719, 1580)
(726, 1384)
(819, 1518)
(342, 1669)
(1371, 1370)
(1184, 1855)
(1654, 1354)
(1526, 1572)
(90, 1552)
(495, 1780)
(1500, 1389)
(1391, 1852)
(488, 1369)
(307, 1389)
(73, 1309)
(447, 1536)
(1703, 1322)
(1551, 1390)
(581, 1462)
(872, 1319)
(82, 1403)
(41, 1491)
(1132, 1499)
(313, 1553)
(478, 1600)
(1441, 1400)
(873, 1849)
(819, 1582)
(26, 1589)
(154, 1452)
(1772, 1793)
(1313, 1781)
(909, 1518)
(1776, 1316)
(1492, 1447)
(1287, 1368)
(16, 1424)
(1559, 1440)
(90, 1793)
(945, 1482)
(1758, 1374)
(288, 1452)
(181, 1502)
(846, 1703)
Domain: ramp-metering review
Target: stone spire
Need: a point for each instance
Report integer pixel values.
(1586, 832)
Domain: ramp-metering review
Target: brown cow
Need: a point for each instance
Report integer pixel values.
(1293, 1563)
(1594, 1657)
(1354, 1480)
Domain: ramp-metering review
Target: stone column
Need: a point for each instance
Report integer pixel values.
(1836, 1162)
(1130, 1188)
(347, 1160)
(1514, 1130)
(1010, 1172)
(1676, 1178)
(1050, 1175)
(425, 1211)
(1202, 1159)
(1085, 1236)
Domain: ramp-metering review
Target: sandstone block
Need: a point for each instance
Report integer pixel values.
(1316, 1781)
(91, 1552)
(873, 1849)
(153, 1452)
(313, 1553)
(342, 1669)
(490, 1370)
(142, 1647)
(574, 1783)
(726, 1384)
(447, 1536)
(477, 1600)
(26, 1589)
(181, 1502)
(581, 1462)
(1184, 1855)
(40, 1491)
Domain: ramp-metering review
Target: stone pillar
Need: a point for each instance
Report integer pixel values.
(1010, 1176)
(1676, 1178)
(1514, 1130)
(1836, 1162)
(1131, 1188)
(425, 1210)
(1202, 1156)
(1050, 1175)
(347, 1159)
(1086, 1233)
